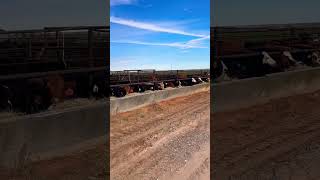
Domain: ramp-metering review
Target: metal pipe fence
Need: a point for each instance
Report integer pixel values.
(55, 48)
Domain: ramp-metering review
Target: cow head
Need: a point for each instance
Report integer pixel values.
(267, 59)
(315, 57)
(289, 56)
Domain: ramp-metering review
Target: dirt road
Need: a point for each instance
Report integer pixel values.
(277, 140)
(167, 140)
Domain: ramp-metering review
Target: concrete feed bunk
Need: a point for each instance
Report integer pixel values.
(244, 93)
(50, 134)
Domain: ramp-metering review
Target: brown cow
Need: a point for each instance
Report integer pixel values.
(169, 84)
(284, 62)
(128, 89)
(70, 88)
(56, 87)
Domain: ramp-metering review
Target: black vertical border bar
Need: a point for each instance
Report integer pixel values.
(107, 76)
(212, 59)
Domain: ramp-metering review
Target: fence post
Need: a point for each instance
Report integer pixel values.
(57, 45)
(90, 49)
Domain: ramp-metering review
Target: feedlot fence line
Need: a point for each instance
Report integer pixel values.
(144, 82)
(128, 103)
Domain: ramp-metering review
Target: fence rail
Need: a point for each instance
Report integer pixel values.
(55, 48)
(141, 76)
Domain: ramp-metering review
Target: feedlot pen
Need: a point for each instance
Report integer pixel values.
(123, 83)
(39, 68)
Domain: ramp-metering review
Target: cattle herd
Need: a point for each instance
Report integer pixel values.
(252, 51)
(125, 89)
(38, 94)
(260, 64)
(40, 68)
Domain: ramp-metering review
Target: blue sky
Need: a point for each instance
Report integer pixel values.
(159, 34)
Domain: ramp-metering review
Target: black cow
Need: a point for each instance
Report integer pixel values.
(98, 89)
(188, 82)
(270, 65)
(218, 69)
(206, 79)
(138, 88)
(5, 98)
(148, 86)
(177, 83)
(244, 66)
(199, 80)
(315, 58)
(119, 91)
(308, 58)
(159, 86)
(31, 95)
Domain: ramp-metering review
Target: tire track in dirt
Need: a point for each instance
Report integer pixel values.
(160, 112)
(171, 137)
(144, 140)
(197, 168)
(173, 117)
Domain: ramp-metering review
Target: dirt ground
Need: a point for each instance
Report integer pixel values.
(275, 141)
(170, 140)
(84, 165)
(167, 140)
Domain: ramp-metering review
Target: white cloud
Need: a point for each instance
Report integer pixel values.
(122, 63)
(151, 27)
(125, 63)
(194, 43)
(175, 44)
(177, 24)
(121, 2)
